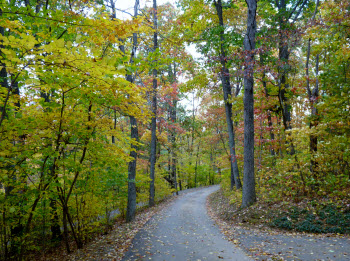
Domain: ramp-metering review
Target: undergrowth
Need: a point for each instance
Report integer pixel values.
(324, 215)
(327, 218)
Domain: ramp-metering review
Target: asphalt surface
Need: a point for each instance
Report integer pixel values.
(293, 247)
(184, 231)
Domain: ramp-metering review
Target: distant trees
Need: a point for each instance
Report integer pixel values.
(291, 73)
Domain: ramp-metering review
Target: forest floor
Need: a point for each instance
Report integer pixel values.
(179, 228)
(256, 237)
(112, 244)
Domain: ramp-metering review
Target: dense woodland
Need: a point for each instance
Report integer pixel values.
(99, 113)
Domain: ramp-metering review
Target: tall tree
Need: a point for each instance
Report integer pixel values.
(172, 116)
(286, 18)
(249, 196)
(227, 90)
(154, 109)
(313, 95)
(134, 134)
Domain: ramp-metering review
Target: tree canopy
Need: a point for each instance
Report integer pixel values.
(85, 93)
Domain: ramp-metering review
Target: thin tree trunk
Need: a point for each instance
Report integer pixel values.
(196, 166)
(55, 224)
(55, 227)
(65, 232)
(249, 196)
(314, 121)
(227, 90)
(173, 136)
(134, 133)
(114, 124)
(313, 96)
(3, 76)
(283, 55)
(131, 205)
(154, 111)
(269, 118)
(76, 237)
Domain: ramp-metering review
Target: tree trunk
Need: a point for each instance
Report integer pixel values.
(131, 207)
(3, 76)
(173, 146)
(249, 197)
(173, 134)
(227, 90)
(314, 122)
(313, 96)
(55, 224)
(269, 118)
(283, 55)
(196, 167)
(154, 111)
(134, 133)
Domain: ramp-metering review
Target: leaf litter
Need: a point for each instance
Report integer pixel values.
(111, 245)
(265, 243)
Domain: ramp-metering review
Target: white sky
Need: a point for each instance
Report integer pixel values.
(128, 5)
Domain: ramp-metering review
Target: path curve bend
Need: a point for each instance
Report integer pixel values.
(184, 231)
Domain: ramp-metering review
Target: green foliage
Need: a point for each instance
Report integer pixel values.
(326, 219)
(60, 88)
(65, 103)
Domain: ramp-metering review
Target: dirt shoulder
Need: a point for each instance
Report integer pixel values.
(251, 231)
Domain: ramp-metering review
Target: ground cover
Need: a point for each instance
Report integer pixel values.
(277, 230)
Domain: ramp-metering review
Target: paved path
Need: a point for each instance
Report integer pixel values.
(184, 232)
(293, 247)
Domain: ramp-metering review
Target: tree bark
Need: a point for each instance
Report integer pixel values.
(55, 224)
(283, 55)
(249, 196)
(131, 207)
(313, 96)
(173, 136)
(269, 118)
(134, 133)
(154, 111)
(196, 167)
(3, 76)
(227, 90)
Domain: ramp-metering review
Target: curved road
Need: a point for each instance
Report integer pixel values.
(184, 231)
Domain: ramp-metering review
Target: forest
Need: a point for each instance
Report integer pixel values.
(104, 110)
